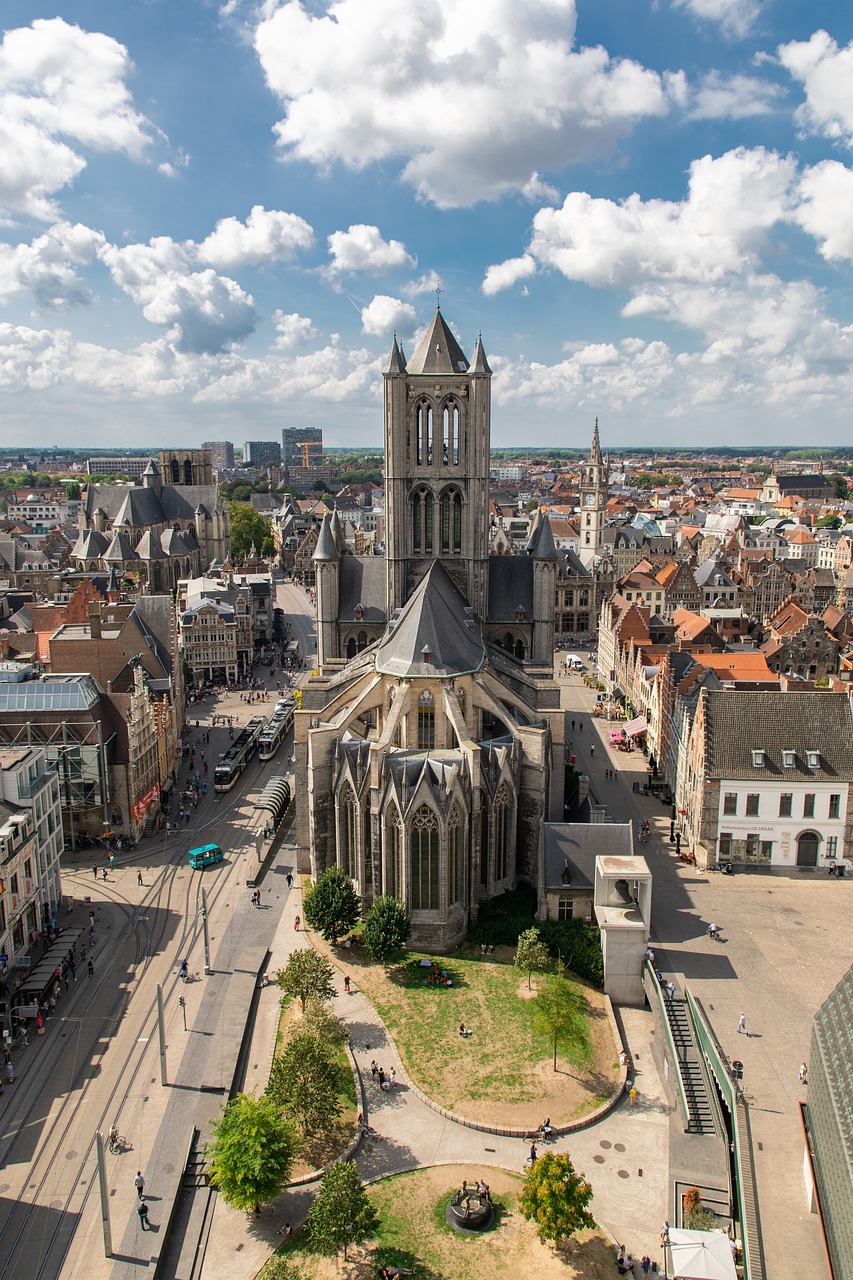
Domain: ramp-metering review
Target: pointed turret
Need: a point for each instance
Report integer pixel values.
(479, 363)
(595, 449)
(544, 547)
(326, 548)
(336, 528)
(396, 360)
(438, 351)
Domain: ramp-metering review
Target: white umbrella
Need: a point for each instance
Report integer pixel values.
(701, 1255)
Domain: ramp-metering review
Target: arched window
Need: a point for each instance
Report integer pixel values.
(519, 650)
(426, 721)
(348, 837)
(422, 521)
(509, 643)
(423, 434)
(176, 472)
(367, 845)
(450, 435)
(425, 859)
(351, 647)
(362, 640)
(455, 865)
(188, 472)
(451, 522)
(502, 815)
(394, 856)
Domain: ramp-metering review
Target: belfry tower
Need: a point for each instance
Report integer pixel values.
(593, 502)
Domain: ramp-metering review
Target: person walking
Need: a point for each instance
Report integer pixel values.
(346, 983)
(10, 1071)
(139, 1183)
(296, 924)
(534, 1154)
(741, 1024)
(95, 872)
(142, 1210)
(632, 1095)
(91, 968)
(139, 878)
(592, 749)
(804, 1073)
(645, 1264)
(289, 879)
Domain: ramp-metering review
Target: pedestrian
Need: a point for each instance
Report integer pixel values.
(534, 1154)
(804, 1073)
(139, 878)
(142, 1210)
(139, 1183)
(670, 990)
(580, 726)
(346, 983)
(632, 1095)
(741, 1024)
(91, 969)
(374, 1070)
(296, 924)
(645, 1264)
(664, 1235)
(573, 726)
(381, 1074)
(614, 774)
(392, 1078)
(104, 873)
(10, 1071)
(592, 749)
(95, 872)
(289, 879)
(25, 1039)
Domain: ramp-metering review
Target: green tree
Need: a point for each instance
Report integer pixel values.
(72, 490)
(281, 1268)
(332, 906)
(248, 528)
(320, 1021)
(555, 1198)
(829, 522)
(531, 954)
(306, 976)
(242, 493)
(341, 1213)
(386, 928)
(561, 1015)
(252, 1152)
(306, 1081)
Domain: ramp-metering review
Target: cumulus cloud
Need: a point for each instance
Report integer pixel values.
(735, 17)
(267, 235)
(732, 201)
(826, 74)
(383, 315)
(46, 266)
(502, 275)
(827, 198)
(737, 97)
(361, 248)
(204, 312)
(293, 330)
(61, 89)
(434, 103)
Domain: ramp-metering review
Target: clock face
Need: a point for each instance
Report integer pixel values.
(589, 499)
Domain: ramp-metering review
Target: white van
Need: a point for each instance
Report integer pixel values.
(574, 662)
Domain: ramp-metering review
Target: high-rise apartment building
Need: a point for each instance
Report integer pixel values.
(302, 446)
(222, 454)
(261, 453)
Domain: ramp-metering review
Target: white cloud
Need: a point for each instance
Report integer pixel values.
(384, 314)
(267, 235)
(735, 97)
(427, 283)
(826, 74)
(452, 76)
(334, 374)
(203, 311)
(46, 266)
(732, 201)
(361, 248)
(60, 82)
(827, 199)
(735, 17)
(502, 275)
(293, 330)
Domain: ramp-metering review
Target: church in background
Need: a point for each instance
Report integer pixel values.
(430, 745)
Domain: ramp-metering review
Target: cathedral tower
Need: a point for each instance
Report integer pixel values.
(593, 501)
(437, 440)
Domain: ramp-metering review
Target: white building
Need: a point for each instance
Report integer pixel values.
(43, 509)
(30, 846)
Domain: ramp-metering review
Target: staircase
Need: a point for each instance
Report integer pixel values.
(700, 1117)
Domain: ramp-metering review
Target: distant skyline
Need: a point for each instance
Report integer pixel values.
(213, 217)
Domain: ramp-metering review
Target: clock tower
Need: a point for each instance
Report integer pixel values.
(593, 502)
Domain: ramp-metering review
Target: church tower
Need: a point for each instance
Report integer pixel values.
(593, 502)
(437, 441)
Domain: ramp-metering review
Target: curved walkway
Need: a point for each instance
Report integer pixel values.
(624, 1155)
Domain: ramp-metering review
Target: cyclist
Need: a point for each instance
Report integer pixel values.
(184, 970)
(112, 1139)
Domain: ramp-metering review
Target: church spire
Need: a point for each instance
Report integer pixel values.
(595, 450)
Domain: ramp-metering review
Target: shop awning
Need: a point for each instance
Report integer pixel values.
(633, 727)
(42, 974)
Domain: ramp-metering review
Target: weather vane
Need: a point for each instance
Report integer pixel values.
(438, 292)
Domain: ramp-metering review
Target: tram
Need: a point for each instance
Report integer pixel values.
(238, 755)
(276, 731)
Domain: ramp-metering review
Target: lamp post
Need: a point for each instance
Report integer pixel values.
(204, 928)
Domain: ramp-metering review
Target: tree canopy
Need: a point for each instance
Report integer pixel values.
(252, 1152)
(387, 928)
(561, 1015)
(306, 1080)
(555, 1198)
(306, 976)
(531, 954)
(248, 528)
(332, 906)
(341, 1213)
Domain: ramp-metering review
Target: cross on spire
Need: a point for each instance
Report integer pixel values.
(438, 292)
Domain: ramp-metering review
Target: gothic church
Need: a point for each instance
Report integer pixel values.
(430, 746)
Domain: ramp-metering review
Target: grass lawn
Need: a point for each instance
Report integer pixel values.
(413, 1233)
(504, 1071)
(319, 1149)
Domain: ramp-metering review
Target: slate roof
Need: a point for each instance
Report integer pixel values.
(510, 585)
(741, 721)
(438, 351)
(570, 850)
(437, 618)
(326, 548)
(362, 581)
(142, 506)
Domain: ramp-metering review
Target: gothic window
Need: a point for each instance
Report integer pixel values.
(425, 860)
(450, 435)
(426, 721)
(519, 650)
(394, 858)
(502, 813)
(422, 512)
(368, 846)
(362, 640)
(188, 472)
(348, 838)
(509, 643)
(351, 647)
(451, 522)
(176, 472)
(423, 435)
(455, 868)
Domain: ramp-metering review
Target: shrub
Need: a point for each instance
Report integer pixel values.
(332, 906)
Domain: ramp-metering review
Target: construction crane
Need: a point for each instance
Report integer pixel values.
(306, 446)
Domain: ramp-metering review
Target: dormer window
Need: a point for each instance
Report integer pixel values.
(520, 614)
(789, 759)
(359, 612)
(813, 759)
(758, 757)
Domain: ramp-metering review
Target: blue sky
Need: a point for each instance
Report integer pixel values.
(213, 216)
